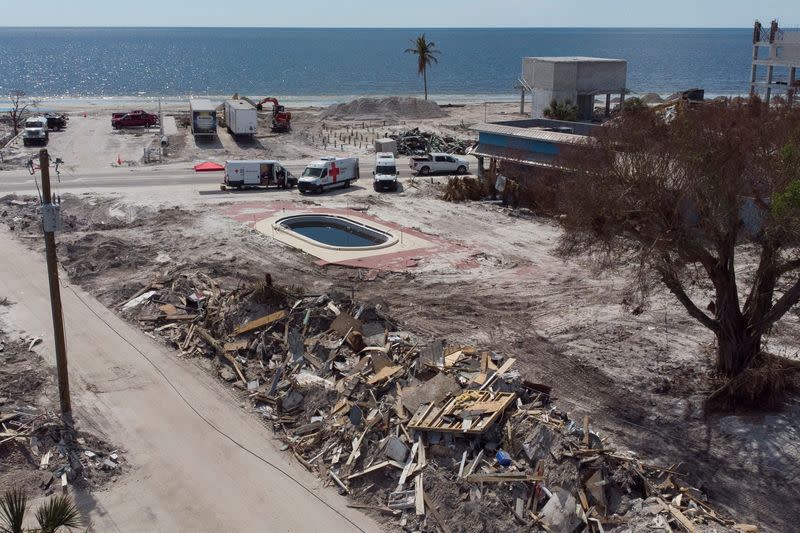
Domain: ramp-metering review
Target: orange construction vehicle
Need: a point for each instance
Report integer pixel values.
(281, 119)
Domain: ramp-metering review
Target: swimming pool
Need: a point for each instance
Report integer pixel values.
(335, 232)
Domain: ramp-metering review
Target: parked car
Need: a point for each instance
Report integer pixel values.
(438, 163)
(56, 121)
(133, 119)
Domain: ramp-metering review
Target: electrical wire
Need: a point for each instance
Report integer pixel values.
(206, 420)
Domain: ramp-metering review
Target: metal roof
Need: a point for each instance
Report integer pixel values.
(537, 134)
(242, 104)
(514, 156)
(577, 59)
(200, 104)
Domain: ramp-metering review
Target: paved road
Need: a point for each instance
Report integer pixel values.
(21, 182)
(186, 475)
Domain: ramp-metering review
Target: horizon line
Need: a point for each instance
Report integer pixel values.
(388, 27)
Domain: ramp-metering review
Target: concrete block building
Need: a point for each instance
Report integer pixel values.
(577, 79)
(776, 56)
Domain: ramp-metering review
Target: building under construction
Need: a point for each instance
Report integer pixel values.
(776, 56)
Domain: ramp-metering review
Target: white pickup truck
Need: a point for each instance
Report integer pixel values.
(433, 163)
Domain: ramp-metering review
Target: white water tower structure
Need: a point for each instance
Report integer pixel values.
(579, 80)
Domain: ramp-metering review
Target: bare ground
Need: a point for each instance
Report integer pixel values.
(642, 376)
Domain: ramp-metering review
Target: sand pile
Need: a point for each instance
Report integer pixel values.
(391, 107)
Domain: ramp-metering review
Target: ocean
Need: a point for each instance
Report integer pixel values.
(330, 65)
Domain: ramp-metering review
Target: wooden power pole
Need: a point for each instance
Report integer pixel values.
(50, 224)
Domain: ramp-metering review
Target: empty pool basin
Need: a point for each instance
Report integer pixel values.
(335, 232)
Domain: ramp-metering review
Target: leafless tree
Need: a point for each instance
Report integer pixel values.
(684, 199)
(19, 106)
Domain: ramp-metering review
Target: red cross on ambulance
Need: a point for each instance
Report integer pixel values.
(334, 172)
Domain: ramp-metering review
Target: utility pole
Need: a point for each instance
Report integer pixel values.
(50, 224)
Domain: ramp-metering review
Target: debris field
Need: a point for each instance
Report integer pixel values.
(428, 433)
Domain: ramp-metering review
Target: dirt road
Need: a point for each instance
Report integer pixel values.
(200, 463)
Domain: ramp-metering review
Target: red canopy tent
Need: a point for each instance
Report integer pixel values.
(208, 166)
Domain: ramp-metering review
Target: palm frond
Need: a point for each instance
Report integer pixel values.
(57, 512)
(13, 505)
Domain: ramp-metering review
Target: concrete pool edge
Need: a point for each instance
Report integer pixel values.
(406, 241)
(392, 239)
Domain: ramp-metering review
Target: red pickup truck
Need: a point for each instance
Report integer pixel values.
(133, 119)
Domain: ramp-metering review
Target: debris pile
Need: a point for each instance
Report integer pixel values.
(415, 142)
(32, 437)
(439, 435)
(463, 188)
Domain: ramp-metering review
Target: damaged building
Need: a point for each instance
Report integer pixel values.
(522, 152)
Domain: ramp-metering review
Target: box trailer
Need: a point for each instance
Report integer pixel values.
(257, 173)
(328, 173)
(241, 117)
(203, 117)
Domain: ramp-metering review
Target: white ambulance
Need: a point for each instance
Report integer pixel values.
(261, 173)
(328, 173)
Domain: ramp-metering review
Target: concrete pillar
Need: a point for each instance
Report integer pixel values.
(608, 105)
(522, 101)
(791, 93)
(480, 167)
(621, 101)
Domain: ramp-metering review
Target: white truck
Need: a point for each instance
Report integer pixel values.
(385, 172)
(203, 117)
(241, 117)
(438, 163)
(257, 173)
(328, 173)
(35, 132)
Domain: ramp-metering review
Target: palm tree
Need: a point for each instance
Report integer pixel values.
(565, 110)
(426, 53)
(55, 513)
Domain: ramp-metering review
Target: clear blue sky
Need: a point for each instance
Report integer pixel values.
(403, 13)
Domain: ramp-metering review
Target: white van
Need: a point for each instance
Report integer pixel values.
(257, 173)
(385, 172)
(328, 173)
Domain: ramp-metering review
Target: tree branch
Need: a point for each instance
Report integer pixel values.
(789, 298)
(672, 282)
(788, 266)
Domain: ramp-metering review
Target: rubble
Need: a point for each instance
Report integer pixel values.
(416, 142)
(409, 428)
(37, 449)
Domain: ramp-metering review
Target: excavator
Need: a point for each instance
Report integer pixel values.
(281, 119)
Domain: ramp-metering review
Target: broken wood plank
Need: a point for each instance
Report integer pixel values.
(259, 323)
(682, 519)
(501, 477)
(385, 373)
(338, 481)
(419, 495)
(436, 516)
(236, 346)
(378, 466)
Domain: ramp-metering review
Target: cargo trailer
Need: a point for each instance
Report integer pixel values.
(203, 116)
(241, 117)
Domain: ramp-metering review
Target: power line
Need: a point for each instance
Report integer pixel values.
(206, 420)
